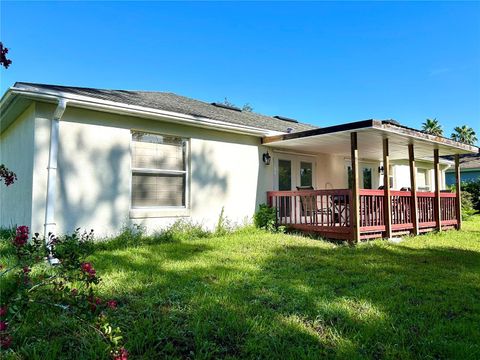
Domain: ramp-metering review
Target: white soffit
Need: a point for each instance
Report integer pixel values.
(370, 144)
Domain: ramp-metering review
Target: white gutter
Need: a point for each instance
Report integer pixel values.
(50, 225)
(138, 111)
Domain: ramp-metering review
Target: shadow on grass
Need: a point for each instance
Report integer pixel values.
(188, 300)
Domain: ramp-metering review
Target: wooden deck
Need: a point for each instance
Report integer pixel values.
(329, 212)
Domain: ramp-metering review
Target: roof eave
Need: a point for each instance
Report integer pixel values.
(386, 126)
(412, 133)
(132, 110)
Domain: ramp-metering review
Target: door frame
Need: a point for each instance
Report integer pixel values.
(362, 164)
(295, 163)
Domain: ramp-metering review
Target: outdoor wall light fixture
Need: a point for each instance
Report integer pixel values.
(266, 158)
(380, 170)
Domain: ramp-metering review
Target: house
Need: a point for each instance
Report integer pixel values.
(103, 159)
(469, 169)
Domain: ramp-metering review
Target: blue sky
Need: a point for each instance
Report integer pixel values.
(323, 63)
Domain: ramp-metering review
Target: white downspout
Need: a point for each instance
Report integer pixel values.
(49, 227)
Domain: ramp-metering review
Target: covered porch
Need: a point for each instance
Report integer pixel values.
(354, 213)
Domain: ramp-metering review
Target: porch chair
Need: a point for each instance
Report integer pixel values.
(309, 206)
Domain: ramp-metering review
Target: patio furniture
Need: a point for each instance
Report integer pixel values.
(309, 207)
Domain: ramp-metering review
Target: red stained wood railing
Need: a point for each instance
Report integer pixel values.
(448, 206)
(323, 208)
(329, 211)
(426, 209)
(401, 210)
(371, 209)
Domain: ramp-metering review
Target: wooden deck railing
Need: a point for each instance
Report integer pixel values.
(328, 212)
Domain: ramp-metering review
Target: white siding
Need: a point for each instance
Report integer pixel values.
(16, 153)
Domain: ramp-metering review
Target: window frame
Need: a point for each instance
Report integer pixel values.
(428, 185)
(160, 210)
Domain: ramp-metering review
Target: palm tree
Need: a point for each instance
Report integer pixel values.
(464, 134)
(432, 127)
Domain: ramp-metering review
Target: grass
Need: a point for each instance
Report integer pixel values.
(257, 295)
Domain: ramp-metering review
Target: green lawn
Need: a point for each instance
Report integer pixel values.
(258, 295)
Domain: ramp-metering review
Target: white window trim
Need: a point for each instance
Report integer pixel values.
(161, 211)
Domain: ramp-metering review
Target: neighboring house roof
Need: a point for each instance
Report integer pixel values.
(175, 103)
(468, 161)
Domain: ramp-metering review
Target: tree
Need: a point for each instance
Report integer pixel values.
(464, 134)
(246, 107)
(432, 127)
(3, 57)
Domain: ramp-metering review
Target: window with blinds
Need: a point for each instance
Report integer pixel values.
(159, 170)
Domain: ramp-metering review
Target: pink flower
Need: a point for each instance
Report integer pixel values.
(3, 326)
(98, 301)
(26, 269)
(5, 341)
(112, 304)
(121, 354)
(8, 176)
(87, 268)
(3, 311)
(21, 236)
(23, 229)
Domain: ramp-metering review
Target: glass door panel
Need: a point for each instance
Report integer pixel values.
(284, 175)
(284, 184)
(306, 174)
(367, 177)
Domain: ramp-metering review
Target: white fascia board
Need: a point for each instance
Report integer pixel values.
(134, 110)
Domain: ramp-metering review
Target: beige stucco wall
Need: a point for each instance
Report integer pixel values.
(401, 173)
(16, 152)
(94, 173)
(330, 170)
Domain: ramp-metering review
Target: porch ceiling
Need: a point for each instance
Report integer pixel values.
(336, 140)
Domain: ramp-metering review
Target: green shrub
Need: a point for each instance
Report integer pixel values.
(467, 205)
(183, 230)
(470, 198)
(6, 234)
(224, 225)
(32, 292)
(130, 236)
(266, 218)
(473, 187)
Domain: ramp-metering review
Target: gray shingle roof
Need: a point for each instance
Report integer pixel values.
(176, 103)
(467, 161)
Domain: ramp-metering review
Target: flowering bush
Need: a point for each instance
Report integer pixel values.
(8, 176)
(68, 286)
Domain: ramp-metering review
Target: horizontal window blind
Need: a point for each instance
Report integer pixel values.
(158, 156)
(158, 190)
(159, 170)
